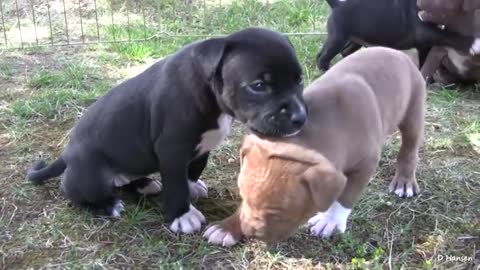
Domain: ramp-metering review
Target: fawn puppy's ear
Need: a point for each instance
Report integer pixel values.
(324, 183)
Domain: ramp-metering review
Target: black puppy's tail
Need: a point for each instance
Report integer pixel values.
(41, 171)
(333, 3)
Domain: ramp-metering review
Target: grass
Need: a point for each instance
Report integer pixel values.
(44, 90)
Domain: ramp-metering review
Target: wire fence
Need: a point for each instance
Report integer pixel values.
(33, 23)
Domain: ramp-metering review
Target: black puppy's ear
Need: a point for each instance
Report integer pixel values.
(207, 56)
(289, 41)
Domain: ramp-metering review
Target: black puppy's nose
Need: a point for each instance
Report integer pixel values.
(296, 113)
(298, 119)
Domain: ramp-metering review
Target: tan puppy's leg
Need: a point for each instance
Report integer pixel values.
(324, 224)
(404, 183)
(226, 233)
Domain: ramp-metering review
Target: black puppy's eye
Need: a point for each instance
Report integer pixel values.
(258, 86)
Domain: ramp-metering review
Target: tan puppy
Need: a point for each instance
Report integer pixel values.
(321, 172)
(461, 16)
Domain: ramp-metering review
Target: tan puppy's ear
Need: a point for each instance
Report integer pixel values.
(469, 5)
(296, 153)
(325, 184)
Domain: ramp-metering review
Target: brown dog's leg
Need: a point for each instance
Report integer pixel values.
(404, 183)
(226, 233)
(432, 62)
(335, 218)
(445, 76)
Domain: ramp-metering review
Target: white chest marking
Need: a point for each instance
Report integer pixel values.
(212, 138)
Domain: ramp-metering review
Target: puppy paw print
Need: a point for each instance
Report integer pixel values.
(218, 236)
(189, 222)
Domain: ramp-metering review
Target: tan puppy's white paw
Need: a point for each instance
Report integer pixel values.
(189, 222)
(218, 236)
(324, 224)
(197, 189)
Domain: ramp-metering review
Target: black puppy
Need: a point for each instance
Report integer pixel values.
(389, 23)
(170, 116)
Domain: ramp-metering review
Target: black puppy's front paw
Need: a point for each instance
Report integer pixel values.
(198, 189)
(189, 222)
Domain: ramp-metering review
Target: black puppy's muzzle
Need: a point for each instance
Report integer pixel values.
(283, 120)
(297, 117)
(290, 117)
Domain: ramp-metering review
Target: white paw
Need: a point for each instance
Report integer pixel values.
(188, 222)
(217, 236)
(475, 49)
(334, 219)
(154, 187)
(402, 191)
(419, 14)
(197, 189)
(117, 209)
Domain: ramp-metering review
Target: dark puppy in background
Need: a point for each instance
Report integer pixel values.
(168, 118)
(446, 65)
(447, 12)
(389, 23)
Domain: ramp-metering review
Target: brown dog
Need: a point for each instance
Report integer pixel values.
(461, 16)
(445, 11)
(322, 171)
